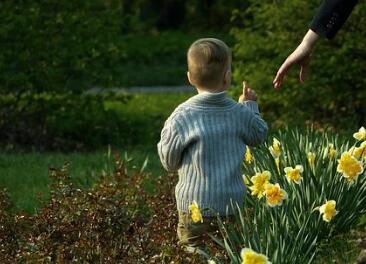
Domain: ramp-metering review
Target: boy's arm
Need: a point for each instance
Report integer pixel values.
(170, 148)
(255, 127)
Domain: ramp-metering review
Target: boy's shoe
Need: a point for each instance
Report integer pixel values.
(217, 259)
(200, 250)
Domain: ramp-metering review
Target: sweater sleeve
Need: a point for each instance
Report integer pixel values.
(331, 16)
(170, 147)
(255, 127)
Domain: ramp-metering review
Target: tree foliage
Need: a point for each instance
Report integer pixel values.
(54, 45)
(334, 92)
(57, 44)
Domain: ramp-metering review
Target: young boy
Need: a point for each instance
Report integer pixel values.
(205, 140)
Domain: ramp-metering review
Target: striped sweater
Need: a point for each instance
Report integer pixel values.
(205, 140)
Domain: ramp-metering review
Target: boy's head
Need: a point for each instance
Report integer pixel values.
(209, 64)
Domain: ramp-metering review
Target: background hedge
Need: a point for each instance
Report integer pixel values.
(333, 95)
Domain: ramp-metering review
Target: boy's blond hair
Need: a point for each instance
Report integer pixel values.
(208, 60)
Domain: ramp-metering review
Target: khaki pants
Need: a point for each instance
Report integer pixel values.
(194, 234)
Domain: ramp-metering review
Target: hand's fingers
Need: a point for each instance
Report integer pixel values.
(282, 72)
(278, 80)
(245, 88)
(304, 72)
(277, 83)
(248, 90)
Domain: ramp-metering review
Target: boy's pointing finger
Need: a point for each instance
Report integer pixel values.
(246, 88)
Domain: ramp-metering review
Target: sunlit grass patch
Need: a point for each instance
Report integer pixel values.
(25, 175)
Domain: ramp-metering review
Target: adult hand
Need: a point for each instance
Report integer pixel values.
(301, 56)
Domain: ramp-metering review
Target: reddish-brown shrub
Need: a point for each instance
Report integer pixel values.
(115, 221)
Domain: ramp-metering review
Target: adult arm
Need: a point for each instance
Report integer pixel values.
(330, 17)
(300, 56)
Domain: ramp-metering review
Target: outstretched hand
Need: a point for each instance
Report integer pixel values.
(300, 56)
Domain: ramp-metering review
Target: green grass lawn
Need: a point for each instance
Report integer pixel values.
(25, 175)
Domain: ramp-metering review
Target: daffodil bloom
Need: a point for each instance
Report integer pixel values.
(260, 181)
(359, 152)
(361, 134)
(331, 151)
(294, 174)
(311, 158)
(328, 210)
(195, 212)
(349, 166)
(211, 261)
(351, 151)
(277, 161)
(249, 256)
(275, 149)
(248, 156)
(274, 194)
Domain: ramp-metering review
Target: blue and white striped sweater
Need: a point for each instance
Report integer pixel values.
(205, 140)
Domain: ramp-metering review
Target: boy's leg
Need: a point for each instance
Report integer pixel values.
(192, 234)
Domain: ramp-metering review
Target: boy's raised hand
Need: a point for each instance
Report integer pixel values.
(248, 94)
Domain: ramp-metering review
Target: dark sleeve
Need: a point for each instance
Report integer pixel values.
(331, 16)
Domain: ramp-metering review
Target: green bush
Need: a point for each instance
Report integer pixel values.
(61, 121)
(73, 122)
(334, 93)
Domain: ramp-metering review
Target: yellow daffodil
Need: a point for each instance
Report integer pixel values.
(249, 256)
(195, 212)
(211, 261)
(294, 174)
(274, 194)
(311, 158)
(361, 134)
(349, 166)
(248, 156)
(352, 151)
(260, 180)
(277, 161)
(328, 210)
(331, 151)
(275, 149)
(359, 152)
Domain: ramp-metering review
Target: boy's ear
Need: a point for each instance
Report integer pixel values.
(189, 78)
(227, 77)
